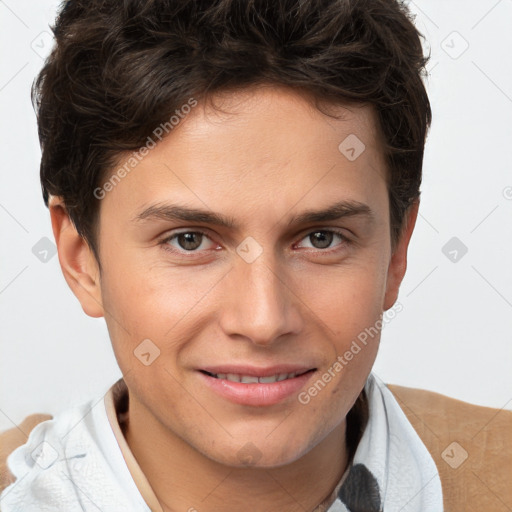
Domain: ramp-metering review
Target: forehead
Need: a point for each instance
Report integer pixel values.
(264, 147)
(277, 121)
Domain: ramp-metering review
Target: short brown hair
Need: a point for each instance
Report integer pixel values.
(121, 68)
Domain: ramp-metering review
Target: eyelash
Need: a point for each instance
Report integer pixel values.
(195, 254)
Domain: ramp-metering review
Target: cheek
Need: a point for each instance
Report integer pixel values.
(157, 302)
(347, 299)
(349, 302)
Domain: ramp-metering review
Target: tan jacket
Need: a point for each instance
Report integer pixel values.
(471, 446)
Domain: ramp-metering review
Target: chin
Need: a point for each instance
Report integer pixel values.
(258, 454)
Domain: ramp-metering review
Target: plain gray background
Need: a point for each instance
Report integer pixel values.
(454, 333)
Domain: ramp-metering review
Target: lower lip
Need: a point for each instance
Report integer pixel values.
(256, 393)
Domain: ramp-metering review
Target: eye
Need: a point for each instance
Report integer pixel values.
(194, 242)
(187, 241)
(323, 238)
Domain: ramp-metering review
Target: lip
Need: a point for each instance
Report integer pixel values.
(256, 394)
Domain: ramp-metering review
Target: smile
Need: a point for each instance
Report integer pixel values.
(251, 379)
(254, 389)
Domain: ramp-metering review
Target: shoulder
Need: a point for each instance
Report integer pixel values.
(11, 439)
(471, 446)
(32, 431)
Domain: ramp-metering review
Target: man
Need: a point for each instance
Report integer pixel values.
(233, 185)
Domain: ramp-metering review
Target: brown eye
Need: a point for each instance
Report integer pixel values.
(189, 241)
(195, 242)
(324, 239)
(321, 239)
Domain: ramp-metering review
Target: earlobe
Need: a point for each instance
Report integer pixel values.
(77, 261)
(398, 263)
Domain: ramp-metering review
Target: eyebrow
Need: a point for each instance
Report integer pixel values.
(169, 212)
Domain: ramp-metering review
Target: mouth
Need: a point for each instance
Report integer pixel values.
(256, 387)
(253, 379)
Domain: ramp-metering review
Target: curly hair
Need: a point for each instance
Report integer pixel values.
(119, 69)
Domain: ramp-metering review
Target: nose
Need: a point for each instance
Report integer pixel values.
(260, 304)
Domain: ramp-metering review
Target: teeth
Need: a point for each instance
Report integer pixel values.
(250, 379)
(267, 380)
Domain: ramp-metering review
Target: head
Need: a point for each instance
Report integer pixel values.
(236, 182)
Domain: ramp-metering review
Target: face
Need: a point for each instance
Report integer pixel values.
(259, 285)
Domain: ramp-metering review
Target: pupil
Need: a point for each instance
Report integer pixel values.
(321, 239)
(189, 241)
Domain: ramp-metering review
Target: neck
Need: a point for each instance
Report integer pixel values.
(182, 478)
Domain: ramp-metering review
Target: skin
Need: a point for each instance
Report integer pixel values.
(268, 156)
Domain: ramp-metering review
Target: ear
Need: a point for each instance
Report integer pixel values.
(77, 260)
(398, 263)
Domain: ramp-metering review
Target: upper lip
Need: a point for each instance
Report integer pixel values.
(255, 371)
